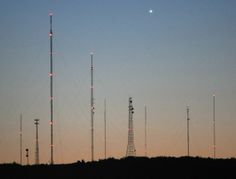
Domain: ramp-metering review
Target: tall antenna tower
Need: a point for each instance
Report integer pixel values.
(188, 130)
(145, 130)
(105, 128)
(51, 86)
(92, 110)
(130, 151)
(214, 128)
(36, 122)
(21, 139)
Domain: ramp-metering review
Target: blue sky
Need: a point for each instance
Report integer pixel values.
(181, 54)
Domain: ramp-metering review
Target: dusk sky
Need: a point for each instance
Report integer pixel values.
(179, 55)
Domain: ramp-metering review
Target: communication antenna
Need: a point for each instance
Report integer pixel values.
(105, 132)
(145, 110)
(130, 151)
(188, 130)
(27, 155)
(92, 110)
(36, 122)
(21, 139)
(51, 85)
(214, 127)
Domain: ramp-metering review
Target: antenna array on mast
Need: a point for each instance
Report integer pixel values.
(188, 130)
(130, 151)
(51, 86)
(92, 110)
(36, 122)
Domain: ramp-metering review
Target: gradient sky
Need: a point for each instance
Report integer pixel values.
(181, 54)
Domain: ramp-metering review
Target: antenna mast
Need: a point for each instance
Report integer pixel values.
(105, 128)
(145, 131)
(188, 130)
(92, 110)
(51, 85)
(36, 122)
(27, 155)
(21, 139)
(214, 128)
(130, 151)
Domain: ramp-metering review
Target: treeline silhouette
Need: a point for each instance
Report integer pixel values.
(130, 168)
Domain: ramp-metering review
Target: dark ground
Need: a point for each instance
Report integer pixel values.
(131, 167)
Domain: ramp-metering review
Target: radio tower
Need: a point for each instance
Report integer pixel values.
(92, 110)
(130, 151)
(188, 130)
(21, 139)
(214, 127)
(36, 122)
(51, 86)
